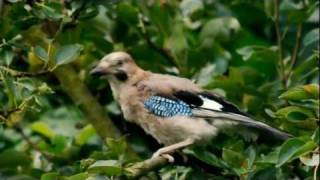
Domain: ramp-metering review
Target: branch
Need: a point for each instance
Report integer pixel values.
(1, 7)
(162, 51)
(19, 74)
(279, 37)
(81, 96)
(295, 51)
(31, 144)
(140, 168)
(5, 114)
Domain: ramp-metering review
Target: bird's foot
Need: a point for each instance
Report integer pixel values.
(166, 156)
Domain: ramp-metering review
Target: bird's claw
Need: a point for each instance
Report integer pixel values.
(166, 156)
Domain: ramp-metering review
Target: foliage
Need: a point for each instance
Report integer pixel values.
(261, 55)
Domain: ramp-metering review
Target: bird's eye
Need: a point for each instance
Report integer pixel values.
(119, 63)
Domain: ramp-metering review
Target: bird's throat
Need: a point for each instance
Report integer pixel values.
(121, 76)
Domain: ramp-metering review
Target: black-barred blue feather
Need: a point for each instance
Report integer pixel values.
(166, 107)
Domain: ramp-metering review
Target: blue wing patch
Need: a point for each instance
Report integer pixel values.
(166, 107)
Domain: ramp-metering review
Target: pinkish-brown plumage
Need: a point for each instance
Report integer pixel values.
(132, 86)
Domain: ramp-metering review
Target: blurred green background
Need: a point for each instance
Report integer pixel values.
(58, 122)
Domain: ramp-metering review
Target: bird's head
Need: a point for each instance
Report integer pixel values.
(116, 66)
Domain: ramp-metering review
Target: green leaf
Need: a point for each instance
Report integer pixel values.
(271, 158)
(315, 136)
(43, 11)
(220, 29)
(257, 52)
(207, 157)
(264, 174)
(41, 53)
(116, 146)
(108, 167)
(68, 53)
(251, 156)
(89, 13)
(11, 159)
(43, 129)
(80, 176)
(10, 89)
(312, 37)
(310, 91)
(296, 116)
(295, 11)
(127, 13)
(233, 158)
(294, 148)
(269, 8)
(85, 134)
(7, 55)
(246, 52)
(50, 176)
(59, 144)
(294, 113)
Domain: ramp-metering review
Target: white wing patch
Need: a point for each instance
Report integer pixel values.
(210, 104)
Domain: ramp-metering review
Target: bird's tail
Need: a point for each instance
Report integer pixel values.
(233, 118)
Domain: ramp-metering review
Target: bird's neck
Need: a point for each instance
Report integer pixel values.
(117, 86)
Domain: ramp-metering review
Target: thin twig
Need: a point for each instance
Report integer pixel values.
(5, 114)
(162, 51)
(1, 7)
(294, 52)
(279, 37)
(19, 74)
(317, 150)
(19, 130)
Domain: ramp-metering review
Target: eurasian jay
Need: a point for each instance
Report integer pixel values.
(174, 110)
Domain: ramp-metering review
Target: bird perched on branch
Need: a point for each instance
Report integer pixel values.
(174, 110)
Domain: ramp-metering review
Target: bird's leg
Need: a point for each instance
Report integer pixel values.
(164, 152)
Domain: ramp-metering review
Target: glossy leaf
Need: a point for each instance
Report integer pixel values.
(109, 167)
(80, 176)
(41, 53)
(312, 37)
(310, 91)
(295, 113)
(293, 148)
(12, 159)
(50, 176)
(43, 129)
(68, 53)
(85, 134)
(207, 157)
(233, 158)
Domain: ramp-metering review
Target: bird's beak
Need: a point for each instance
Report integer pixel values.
(98, 71)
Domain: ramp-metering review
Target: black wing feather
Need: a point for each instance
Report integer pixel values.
(194, 100)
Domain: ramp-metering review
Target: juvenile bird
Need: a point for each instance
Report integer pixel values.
(174, 110)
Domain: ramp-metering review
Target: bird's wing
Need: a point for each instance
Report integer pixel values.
(204, 105)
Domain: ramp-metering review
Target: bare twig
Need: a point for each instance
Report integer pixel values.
(279, 37)
(31, 144)
(5, 114)
(317, 150)
(1, 7)
(162, 51)
(19, 74)
(294, 53)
